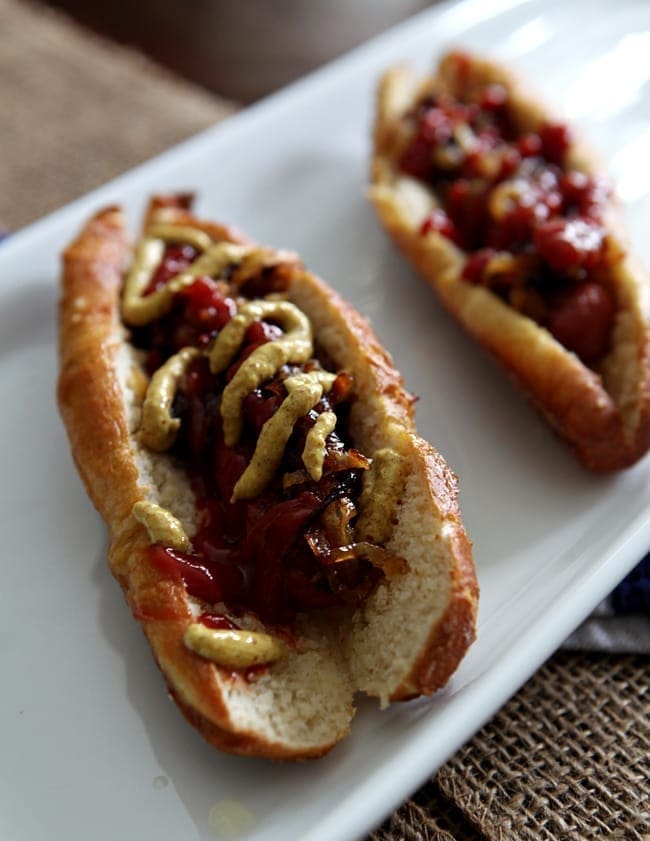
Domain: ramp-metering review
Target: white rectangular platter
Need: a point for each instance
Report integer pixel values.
(90, 747)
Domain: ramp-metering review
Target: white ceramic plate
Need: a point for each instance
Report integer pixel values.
(90, 747)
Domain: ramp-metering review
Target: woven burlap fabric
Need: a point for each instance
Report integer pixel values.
(567, 757)
(76, 112)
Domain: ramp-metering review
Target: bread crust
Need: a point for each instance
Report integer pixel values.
(603, 415)
(453, 634)
(92, 404)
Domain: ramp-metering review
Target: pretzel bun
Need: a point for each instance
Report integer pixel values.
(601, 405)
(405, 638)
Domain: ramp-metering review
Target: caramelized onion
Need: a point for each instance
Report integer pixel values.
(388, 562)
(336, 521)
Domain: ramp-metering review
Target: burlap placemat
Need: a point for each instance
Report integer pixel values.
(566, 758)
(76, 112)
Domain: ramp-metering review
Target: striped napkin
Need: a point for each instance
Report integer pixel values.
(621, 623)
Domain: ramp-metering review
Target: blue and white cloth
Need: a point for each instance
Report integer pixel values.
(621, 623)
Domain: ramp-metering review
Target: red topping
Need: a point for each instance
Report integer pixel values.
(435, 126)
(506, 191)
(466, 206)
(260, 332)
(438, 221)
(416, 160)
(510, 160)
(259, 406)
(251, 572)
(206, 305)
(218, 622)
(474, 268)
(568, 244)
(175, 260)
(583, 195)
(266, 544)
(556, 141)
(581, 319)
(211, 582)
(250, 554)
(199, 312)
(529, 145)
(493, 98)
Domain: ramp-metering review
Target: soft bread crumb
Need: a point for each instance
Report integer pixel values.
(303, 704)
(301, 700)
(304, 700)
(388, 634)
(161, 479)
(397, 619)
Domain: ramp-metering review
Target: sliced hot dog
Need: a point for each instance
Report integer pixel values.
(511, 219)
(281, 533)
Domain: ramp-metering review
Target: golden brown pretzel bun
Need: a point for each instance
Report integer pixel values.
(405, 639)
(602, 411)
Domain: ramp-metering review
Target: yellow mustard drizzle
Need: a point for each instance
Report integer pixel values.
(147, 256)
(139, 309)
(303, 393)
(161, 525)
(158, 428)
(180, 233)
(313, 454)
(295, 346)
(216, 258)
(304, 390)
(233, 649)
(382, 486)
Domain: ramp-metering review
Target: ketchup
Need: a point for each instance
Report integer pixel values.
(175, 259)
(218, 622)
(250, 555)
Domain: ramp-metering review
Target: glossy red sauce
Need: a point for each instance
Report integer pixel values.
(218, 622)
(176, 259)
(507, 191)
(200, 310)
(249, 555)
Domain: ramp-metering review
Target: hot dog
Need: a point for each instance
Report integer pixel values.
(509, 216)
(281, 533)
